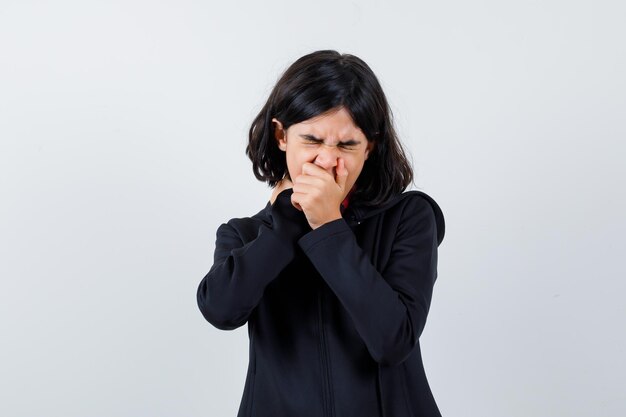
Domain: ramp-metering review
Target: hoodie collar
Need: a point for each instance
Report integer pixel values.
(354, 212)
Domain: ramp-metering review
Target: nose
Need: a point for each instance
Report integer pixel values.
(327, 157)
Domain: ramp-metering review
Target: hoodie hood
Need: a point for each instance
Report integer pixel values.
(360, 212)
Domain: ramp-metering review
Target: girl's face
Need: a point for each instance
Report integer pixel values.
(322, 140)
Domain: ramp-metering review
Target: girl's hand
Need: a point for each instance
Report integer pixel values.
(319, 193)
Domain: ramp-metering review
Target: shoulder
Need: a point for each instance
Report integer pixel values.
(246, 228)
(417, 206)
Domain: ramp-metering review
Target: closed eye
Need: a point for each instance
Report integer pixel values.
(348, 145)
(311, 139)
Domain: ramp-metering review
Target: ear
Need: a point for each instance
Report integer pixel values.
(279, 135)
(370, 147)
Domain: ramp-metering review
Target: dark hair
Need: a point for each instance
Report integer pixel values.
(314, 84)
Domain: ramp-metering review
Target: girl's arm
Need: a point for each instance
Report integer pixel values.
(234, 285)
(389, 307)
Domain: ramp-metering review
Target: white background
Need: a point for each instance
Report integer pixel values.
(123, 126)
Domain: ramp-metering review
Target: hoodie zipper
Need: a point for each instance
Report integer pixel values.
(326, 388)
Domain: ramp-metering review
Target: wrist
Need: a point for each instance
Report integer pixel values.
(332, 218)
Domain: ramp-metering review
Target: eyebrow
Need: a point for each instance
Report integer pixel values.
(349, 142)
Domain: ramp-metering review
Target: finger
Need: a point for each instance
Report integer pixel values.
(314, 170)
(294, 201)
(305, 192)
(309, 180)
(341, 174)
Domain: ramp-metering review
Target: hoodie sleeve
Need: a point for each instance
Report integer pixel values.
(231, 290)
(388, 307)
(235, 283)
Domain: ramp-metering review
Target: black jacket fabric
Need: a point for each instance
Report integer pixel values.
(334, 314)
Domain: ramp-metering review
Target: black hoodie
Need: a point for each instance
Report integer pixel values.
(334, 314)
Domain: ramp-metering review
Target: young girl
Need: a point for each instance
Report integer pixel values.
(334, 277)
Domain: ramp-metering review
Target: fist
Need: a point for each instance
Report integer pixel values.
(319, 193)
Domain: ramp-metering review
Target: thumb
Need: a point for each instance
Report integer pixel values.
(342, 174)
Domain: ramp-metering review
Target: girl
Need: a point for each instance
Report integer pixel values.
(334, 276)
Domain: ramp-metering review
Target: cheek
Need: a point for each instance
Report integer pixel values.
(294, 163)
(296, 160)
(354, 168)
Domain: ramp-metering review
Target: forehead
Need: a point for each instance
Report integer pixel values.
(336, 124)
